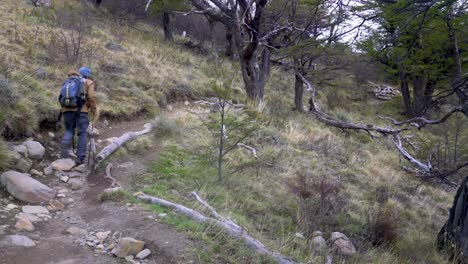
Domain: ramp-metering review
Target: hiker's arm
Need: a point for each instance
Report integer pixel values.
(91, 99)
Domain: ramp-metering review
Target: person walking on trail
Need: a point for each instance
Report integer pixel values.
(78, 108)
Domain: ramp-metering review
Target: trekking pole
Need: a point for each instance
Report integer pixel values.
(91, 141)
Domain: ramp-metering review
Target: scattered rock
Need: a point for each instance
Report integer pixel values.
(28, 209)
(30, 217)
(101, 236)
(63, 164)
(318, 242)
(36, 173)
(128, 246)
(300, 235)
(17, 240)
(55, 205)
(48, 170)
(64, 179)
(76, 231)
(3, 229)
(51, 135)
(75, 174)
(23, 165)
(162, 215)
(25, 188)
(21, 149)
(35, 150)
(11, 207)
(100, 246)
(75, 184)
(342, 245)
(80, 168)
(143, 254)
(24, 224)
(61, 195)
(129, 259)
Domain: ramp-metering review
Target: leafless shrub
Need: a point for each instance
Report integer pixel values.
(68, 43)
(382, 220)
(319, 199)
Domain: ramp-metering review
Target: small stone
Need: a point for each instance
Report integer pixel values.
(75, 174)
(24, 224)
(17, 240)
(342, 245)
(162, 215)
(76, 231)
(80, 168)
(61, 195)
(75, 184)
(36, 173)
(64, 179)
(48, 170)
(89, 243)
(51, 135)
(299, 235)
(23, 165)
(28, 209)
(319, 244)
(143, 254)
(68, 201)
(30, 217)
(106, 123)
(55, 205)
(100, 246)
(35, 150)
(21, 149)
(3, 229)
(63, 164)
(11, 207)
(129, 258)
(128, 246)
(101, 236)
(64, 190)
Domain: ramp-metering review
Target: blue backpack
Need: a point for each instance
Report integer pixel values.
(73, 93)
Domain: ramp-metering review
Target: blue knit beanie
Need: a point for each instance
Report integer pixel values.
(85, 72)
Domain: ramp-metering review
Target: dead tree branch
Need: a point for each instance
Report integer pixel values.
(225, 224)
(109, 176)
(129, 136)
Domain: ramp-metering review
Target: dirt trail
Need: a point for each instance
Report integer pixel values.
(54, 246)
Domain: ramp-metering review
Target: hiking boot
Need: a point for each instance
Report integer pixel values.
(79, 161)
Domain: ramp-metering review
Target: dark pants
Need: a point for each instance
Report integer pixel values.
(80, 123)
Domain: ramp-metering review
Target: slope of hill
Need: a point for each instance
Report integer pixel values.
(308, 177)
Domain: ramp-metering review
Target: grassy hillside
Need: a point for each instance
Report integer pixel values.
(371, 196)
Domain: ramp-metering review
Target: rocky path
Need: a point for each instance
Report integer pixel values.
(75, 227)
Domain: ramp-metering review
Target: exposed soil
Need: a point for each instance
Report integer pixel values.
(54, 246)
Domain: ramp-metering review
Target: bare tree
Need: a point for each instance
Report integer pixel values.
(243, 19)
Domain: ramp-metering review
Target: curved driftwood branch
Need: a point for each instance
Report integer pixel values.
(129, 136)
(109, 176)
(321, 116)
(420, 122)
(225, 224)
(254, 151)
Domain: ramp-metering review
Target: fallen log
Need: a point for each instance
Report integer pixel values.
(224, 223)
(129, 136)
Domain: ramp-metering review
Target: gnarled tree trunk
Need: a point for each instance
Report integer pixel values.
(453, 237)
(167, 25)
(406, 93)
(298, 94)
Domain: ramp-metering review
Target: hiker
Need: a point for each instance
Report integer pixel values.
(78, 107)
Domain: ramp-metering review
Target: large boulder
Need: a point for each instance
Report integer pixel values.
(35, 150)
(25, 188)
(128, 246)
(342, 245)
